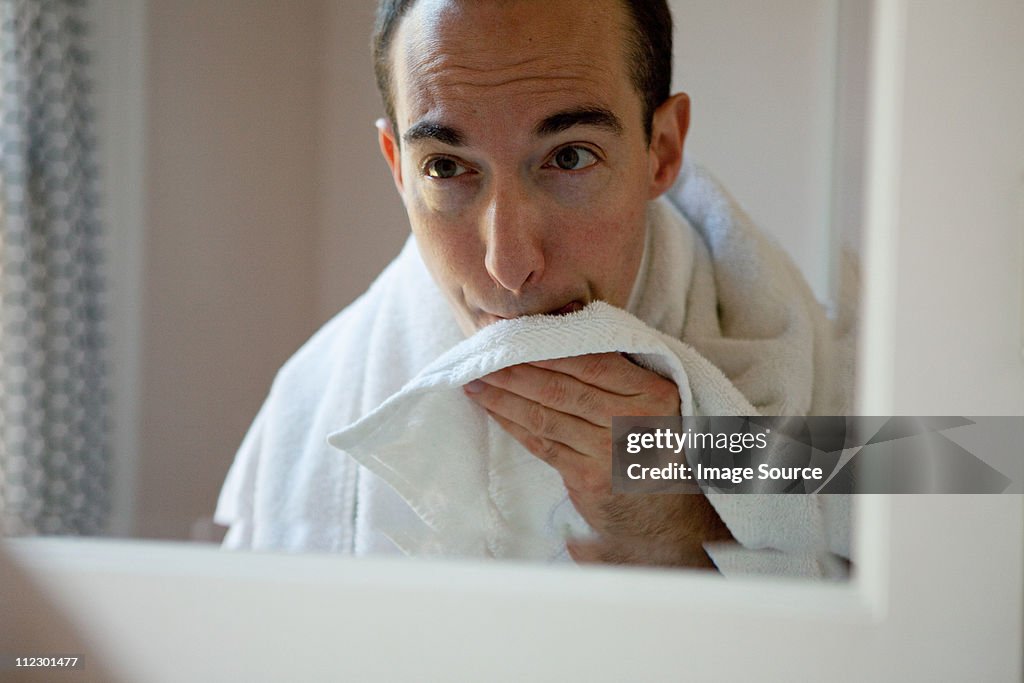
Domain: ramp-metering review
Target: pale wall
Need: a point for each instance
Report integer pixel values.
(761, 79)
(361, 222)
(230, 241)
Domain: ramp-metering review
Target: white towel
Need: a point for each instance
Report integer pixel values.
(733, 294)
(477, 491)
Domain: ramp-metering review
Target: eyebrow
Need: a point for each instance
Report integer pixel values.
(428, 130)
(598, 117)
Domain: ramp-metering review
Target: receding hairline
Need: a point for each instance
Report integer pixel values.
(628, 23)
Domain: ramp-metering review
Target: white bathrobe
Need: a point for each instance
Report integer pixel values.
(383, 376)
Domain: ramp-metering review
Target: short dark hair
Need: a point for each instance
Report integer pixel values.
(649, 48)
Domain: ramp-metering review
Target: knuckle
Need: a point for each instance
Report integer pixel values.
(534, 444)
(553, 392)
(546, 450)
(631, 376)
(593, 369)
(589, 402)
(537, 418)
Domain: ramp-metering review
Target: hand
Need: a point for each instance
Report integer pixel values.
(561, 411)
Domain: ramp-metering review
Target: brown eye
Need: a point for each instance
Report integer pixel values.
(443, 167)
(574, 158)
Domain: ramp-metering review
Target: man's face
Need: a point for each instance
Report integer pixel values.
(523, 162)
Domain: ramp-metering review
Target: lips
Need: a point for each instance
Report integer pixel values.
(570, 307)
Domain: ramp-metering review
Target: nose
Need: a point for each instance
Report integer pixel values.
(512, 232)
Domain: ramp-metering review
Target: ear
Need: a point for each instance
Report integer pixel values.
(388, 142)
(668, 135)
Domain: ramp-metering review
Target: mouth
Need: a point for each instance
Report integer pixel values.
(570, 307)
(488, 317)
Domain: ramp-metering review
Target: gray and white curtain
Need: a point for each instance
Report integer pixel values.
(54, 455)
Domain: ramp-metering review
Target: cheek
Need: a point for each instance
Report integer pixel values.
(606, 225)
(446, 240)
(598, 202)
(605, 245)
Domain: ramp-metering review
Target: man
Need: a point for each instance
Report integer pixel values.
(526, 140)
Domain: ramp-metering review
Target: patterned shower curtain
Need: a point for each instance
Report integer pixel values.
(54, 453)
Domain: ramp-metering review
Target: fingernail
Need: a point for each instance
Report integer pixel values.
(475, 387)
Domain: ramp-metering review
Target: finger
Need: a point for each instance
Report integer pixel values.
(648, 392)
(583, 476)
(559, 391)
(611, 372)
(564, 459)
(544, 422)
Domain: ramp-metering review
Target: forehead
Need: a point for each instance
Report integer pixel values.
(493, 57)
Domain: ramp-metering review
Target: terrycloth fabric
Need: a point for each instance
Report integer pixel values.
(750, 312)
(774, 342)
(477, 491)
(756, 342)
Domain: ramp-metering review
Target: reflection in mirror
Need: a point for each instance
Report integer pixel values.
(245, 205)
